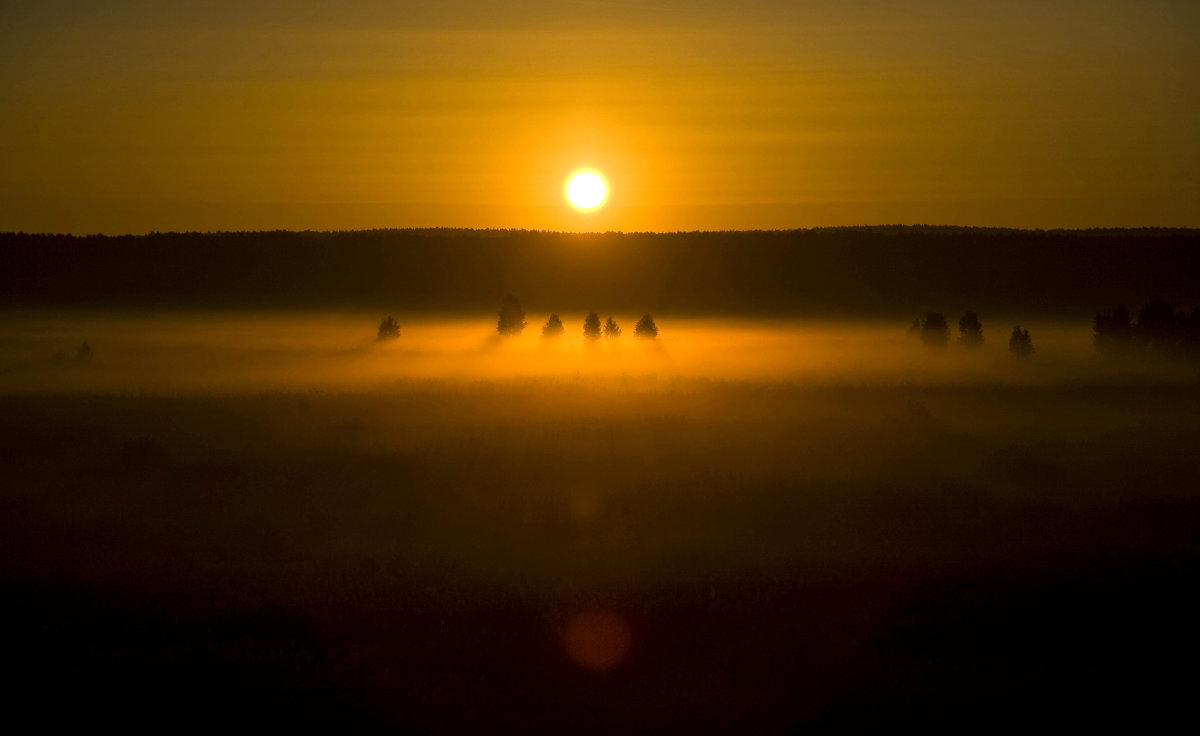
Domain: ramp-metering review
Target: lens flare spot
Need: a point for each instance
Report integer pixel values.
(597, 639)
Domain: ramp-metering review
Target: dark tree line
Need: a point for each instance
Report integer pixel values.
(934, 332)
(1159, 328)
(851, 272)
(512, 322)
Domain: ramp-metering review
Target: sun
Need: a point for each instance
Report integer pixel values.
(586, 190)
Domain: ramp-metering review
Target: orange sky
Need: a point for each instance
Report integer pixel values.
(131, 116)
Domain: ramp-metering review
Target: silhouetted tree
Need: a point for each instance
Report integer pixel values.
(914, 330)
(970, 330)
(935, 333)
(646, 328)
(1113, 331)
(389, 329)
(1157, 327)
(512, 317)
(553, 327)
(1020, 344)
(591, 326)
(611, 328)
(84, 354)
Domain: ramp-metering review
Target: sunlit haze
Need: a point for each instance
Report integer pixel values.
(132, 116)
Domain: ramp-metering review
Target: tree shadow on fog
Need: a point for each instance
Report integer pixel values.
(489, 344)
(654, 350)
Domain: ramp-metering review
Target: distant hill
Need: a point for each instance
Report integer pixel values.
(882, 271)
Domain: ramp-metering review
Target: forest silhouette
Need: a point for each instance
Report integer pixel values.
(878, 271)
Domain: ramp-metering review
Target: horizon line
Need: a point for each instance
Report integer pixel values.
(505, 230)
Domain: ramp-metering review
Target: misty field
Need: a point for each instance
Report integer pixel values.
(278, 521)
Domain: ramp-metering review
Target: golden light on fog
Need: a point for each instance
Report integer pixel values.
(586, 190)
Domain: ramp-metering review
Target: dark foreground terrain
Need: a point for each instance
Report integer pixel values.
(781, 557)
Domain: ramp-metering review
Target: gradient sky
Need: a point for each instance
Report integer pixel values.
(138, 115)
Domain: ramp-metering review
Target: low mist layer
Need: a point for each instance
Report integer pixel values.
(132, 353)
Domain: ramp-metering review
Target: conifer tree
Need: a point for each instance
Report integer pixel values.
(646, 328)
(611, 328)
(935, 333)
(970, 330)
(512, 317)
(389, 329)
(1020, 344)
(591, 326)
(553, 327)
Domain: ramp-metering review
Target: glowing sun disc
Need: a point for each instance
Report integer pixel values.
(586, 190)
